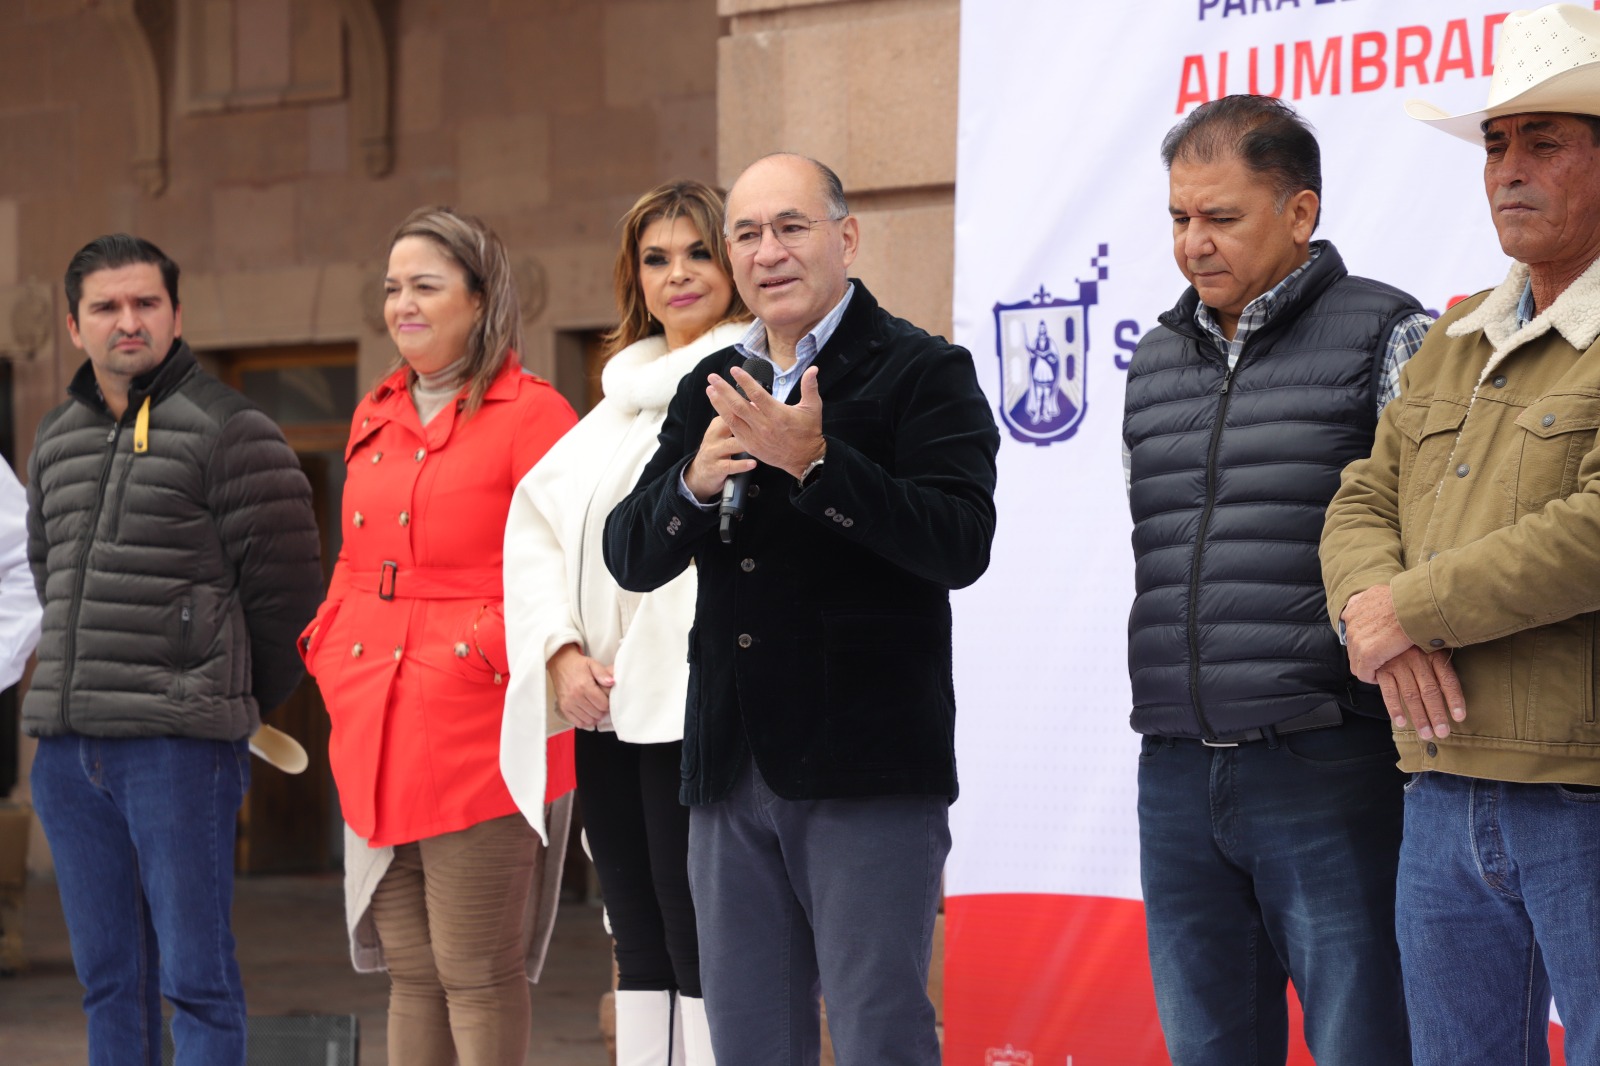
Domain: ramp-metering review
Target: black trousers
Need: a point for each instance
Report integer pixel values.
(639, 837)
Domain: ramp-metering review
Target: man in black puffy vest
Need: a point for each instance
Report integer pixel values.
(172, 541)
(1269, 802)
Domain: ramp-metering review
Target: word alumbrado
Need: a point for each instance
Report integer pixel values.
(1357, 63)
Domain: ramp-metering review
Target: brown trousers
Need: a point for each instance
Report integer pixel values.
(451, 911)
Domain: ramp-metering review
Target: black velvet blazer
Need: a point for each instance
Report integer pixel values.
(821, 642)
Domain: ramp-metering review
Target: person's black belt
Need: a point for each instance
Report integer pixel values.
(1325, 717)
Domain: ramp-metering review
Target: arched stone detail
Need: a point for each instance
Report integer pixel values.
(27, 320)
(141, 28)
(533, 292)
(371, 136)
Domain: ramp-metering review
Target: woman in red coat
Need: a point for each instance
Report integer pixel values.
(443, 875)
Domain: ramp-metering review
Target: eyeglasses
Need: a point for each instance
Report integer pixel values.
(791, 232)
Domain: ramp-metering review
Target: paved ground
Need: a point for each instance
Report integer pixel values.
(293, 952)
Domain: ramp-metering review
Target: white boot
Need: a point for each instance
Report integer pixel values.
(646, 1033)
(696, 1032)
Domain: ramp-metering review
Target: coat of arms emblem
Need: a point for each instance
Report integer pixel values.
(1042, 343)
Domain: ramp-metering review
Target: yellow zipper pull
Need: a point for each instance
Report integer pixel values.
(141, 429)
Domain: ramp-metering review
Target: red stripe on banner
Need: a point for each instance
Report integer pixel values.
(1047, 980)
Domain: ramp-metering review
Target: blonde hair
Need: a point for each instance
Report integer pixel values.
(473, 247)
(701, 205)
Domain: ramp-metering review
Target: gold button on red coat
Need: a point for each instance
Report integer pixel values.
(359, 520)
(405, 518)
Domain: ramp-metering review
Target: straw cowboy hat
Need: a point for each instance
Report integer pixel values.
(1547, 60)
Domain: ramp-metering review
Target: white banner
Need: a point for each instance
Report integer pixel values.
(1062, 226)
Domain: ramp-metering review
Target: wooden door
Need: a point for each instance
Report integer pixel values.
(290, 823)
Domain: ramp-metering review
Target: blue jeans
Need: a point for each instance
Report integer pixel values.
(1500, 901)
(142, 832)
(1268, 862)
(793, 895)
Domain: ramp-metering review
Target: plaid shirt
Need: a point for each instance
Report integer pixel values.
(1404, 340)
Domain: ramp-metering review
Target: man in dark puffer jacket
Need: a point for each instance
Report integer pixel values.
(172, 541)
(1269, 804)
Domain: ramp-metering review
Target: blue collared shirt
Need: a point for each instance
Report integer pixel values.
(1526, 312)
(754, 345)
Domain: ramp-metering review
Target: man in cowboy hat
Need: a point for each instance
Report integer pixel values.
(1468, 546)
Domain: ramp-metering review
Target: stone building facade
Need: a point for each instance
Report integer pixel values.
(269, 146)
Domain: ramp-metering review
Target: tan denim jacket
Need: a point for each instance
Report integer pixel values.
(1480, 506)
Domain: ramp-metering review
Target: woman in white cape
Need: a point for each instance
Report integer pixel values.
(616, 661)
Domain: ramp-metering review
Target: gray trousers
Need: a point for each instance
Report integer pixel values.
(797, 898)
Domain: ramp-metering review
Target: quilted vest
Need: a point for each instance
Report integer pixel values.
(1231, 474)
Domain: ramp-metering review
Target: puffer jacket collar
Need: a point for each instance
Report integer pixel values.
(157, 384)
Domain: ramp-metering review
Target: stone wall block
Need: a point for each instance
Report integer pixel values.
(25, 76)
(243, 309)
(50, 10)
(504, 164)
(816, 82)
(905, 260)
(572, 221)
(328, 138)
(333, 227)
(659, 49)
(39, 151)
(52, 228)
(338, 314)
(686, 139)
(786, 90)
(900, 78)
(317, 54)
(611, 151)
(474, 85)
(419, 82)
(750, 72)
(10, 248)
(578, 279)
(259, 145)
(551, 60)
(757, 7)
(261, 44)
(179, 221)
(253, 227)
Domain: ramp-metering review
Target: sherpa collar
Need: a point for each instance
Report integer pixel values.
(1575, 314)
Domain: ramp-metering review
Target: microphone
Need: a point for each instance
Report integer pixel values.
(737, 487)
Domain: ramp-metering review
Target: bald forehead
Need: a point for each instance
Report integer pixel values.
(792, 180)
